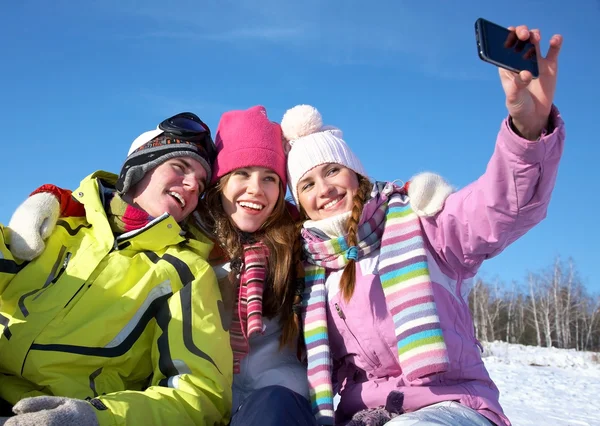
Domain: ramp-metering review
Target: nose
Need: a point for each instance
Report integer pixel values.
(254, 184)
(191, 182)
(325, 188)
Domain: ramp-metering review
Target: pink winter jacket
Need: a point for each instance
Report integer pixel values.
(477, 222)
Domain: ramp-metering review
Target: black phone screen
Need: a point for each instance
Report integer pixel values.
(501, 47)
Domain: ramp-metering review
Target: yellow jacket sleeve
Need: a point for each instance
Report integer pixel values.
(193, 363)
(9, 266)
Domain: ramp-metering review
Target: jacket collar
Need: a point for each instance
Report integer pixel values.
(160, 233)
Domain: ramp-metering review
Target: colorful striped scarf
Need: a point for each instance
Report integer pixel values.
(249, 301)
(396, 230)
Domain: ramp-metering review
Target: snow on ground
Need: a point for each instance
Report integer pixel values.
(545, 386)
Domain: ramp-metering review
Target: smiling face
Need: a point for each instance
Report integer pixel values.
(172, 187)
(249, 196)
(327, 190)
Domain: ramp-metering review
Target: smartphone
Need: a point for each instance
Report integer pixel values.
(501, 47)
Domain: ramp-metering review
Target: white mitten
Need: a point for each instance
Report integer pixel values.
(428, 192)
(53, 411)
(33, 222)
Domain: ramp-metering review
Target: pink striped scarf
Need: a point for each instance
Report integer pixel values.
(388, 223)
(249, 301)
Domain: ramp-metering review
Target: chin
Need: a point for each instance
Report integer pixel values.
(248, 227)
(178, 215)
(327, 215)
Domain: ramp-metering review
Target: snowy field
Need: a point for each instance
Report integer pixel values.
(545, 386)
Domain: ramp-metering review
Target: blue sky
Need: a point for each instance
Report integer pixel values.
(81, 79)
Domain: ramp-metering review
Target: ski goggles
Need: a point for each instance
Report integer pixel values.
(188, 127)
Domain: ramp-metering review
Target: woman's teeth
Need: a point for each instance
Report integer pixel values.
(253, 206)
(331, 203)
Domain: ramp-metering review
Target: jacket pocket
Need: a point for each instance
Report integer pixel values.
(370, 357)
(57, 270)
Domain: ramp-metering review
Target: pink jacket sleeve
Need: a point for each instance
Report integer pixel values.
(512, 196)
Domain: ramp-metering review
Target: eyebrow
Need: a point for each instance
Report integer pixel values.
(188, 166)
(302, 181)
(185, 163)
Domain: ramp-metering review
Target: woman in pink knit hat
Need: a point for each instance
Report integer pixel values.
(246, 212)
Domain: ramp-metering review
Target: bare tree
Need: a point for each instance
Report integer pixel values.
(509, 314)
(544, 298)
(593, 317)
(533, 285)
(554, 309)
(494, 307)
(556, 279)
(566, 326)
(520, 323)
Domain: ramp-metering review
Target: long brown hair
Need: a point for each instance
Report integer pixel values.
(348, 279)
(279, 234)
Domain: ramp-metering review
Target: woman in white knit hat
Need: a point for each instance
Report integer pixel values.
(387, 323)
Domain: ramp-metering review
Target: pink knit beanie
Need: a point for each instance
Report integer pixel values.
(248, 139)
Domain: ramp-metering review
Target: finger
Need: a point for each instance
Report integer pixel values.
(523, 79)
(522, 32)
(554, 49)
(530, 54)
(520, 46)
(511, 39)
(534, 38)
(535, 33)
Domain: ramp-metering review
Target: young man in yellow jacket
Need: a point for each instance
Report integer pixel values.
(118, 320)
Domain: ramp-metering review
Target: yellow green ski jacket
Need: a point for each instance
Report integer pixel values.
(132, 323)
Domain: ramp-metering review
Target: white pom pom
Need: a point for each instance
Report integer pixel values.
(302, 120)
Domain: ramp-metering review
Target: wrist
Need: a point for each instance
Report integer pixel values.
(531, 132)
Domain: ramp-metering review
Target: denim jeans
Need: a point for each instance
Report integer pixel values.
(274, 406)
(448, 413)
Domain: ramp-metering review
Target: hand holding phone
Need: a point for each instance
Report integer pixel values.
(529, 101)
(501, 46)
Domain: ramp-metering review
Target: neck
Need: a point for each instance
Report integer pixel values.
(333, 227)
(123, 215)
(130, 200)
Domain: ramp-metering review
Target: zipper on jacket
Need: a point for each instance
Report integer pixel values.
(64, 266)
(73, 297)
(49, 280)
(55, 275)
(374, 362)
